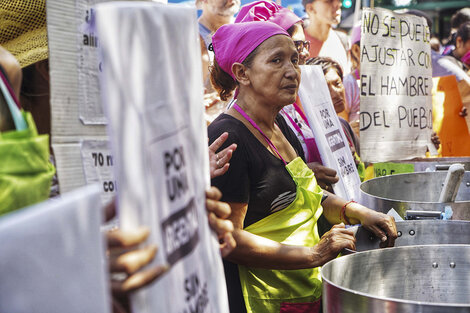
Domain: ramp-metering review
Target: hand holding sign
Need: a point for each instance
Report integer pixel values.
(218, 212)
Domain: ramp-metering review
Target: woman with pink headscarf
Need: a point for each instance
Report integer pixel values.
(293, 113)
(273, 195)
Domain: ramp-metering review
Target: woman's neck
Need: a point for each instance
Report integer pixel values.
(318, 30)
(214, 21)
(264, 115)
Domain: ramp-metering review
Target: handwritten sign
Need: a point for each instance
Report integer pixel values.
(395, 85)
(159, 140)
(328, 132)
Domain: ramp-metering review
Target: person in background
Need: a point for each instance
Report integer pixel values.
(324, 15)
(294, 113)
(460, 55)
(351, 82)
(435, 44)
(215, 13)
(11, 72)
(460, 17)
(23, 33)
(11, 69)
(274, 198)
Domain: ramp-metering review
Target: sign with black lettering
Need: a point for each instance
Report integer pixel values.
(153, 100)
(328, 132)
(390, 168)
(98, 167)
(395, 85)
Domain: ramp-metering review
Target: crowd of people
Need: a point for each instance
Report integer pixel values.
(272, 203)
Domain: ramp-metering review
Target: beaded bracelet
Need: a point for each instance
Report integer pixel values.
(343, 212)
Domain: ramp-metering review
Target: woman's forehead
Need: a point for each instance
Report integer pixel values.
(278, 42)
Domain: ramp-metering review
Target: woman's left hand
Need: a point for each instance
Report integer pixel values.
(382, 225)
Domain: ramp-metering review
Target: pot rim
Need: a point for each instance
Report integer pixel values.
(404, 301)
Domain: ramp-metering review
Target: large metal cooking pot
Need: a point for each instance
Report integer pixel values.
(424, 279)
(415, 192)
(416, 233)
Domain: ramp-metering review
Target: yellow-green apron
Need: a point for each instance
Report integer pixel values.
(264, 290)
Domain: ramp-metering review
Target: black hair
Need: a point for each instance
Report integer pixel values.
(326, 64)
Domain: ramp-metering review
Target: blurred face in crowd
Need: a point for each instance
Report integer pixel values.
(462, 48)
(325, 11)
(336, 87)
(302, 46)
(226, 8)
(274, 74)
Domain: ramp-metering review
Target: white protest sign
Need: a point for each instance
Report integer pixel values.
(395, 84)
(153, 95)
(328, 132)
(52, 256)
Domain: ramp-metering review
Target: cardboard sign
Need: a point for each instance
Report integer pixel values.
(98, 167)
(52, 256)
(395, 85)
(76, 110)
(89, 65)
(328, 132)
(153, 95)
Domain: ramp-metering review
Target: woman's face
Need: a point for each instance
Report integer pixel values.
(302, 46)
(336, 87)
(274, 74)
(462, 47)
(326, 11)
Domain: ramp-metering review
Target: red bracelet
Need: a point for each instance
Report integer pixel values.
(343, 212)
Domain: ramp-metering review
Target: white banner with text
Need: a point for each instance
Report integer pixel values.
(153, 95)
(328, 132)
(395, 86)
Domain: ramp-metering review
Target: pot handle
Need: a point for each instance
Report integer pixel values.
(423, 215)
(442, 167)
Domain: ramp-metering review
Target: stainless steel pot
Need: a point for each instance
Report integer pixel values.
(415, 192)
(415, 233)
(413, 279)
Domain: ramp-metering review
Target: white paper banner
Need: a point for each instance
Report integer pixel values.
(395, 84)
(328, 132)
(52, 256)
(152, 84)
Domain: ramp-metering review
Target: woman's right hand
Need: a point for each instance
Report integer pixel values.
(333, 242)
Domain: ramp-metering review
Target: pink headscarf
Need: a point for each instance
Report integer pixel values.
(267, 11)
(234, 42)
(356, 33)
